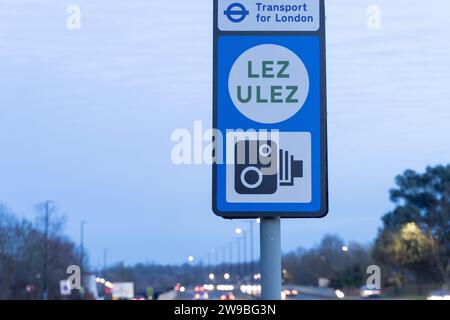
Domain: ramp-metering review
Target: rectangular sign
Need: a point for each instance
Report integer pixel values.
(275, 15)
(64, 288)
(270, 109)
(123, 290)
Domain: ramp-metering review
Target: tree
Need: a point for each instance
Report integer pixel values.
(416, 234)
(410, 246)
(344, 268)
(22, 257)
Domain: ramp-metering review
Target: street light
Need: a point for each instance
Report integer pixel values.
(211, 276)
(224, 260)
(252, 257)
(344, 248)
(226, 276)
(210, 266)
(45, 278)
(239, 257)
(244, 257)
(190, 259)
(82, 224)
(238, 232)
(105, 260)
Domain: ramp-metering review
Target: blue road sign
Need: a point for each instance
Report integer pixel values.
(270, 109)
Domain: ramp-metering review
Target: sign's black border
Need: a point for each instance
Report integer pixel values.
(323, 121)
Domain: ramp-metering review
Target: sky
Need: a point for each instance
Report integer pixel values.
(86, 118)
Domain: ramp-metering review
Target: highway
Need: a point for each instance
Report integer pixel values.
(290, 293)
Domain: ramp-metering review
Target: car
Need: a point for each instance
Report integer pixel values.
(366, 292)
(291, 292)
(199, 289)
(228, 296)
(439, 295)
(201, 296)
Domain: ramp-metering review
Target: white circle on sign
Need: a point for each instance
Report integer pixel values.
(255, 184)
(268, 83)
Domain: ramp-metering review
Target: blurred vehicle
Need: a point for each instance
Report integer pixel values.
(290, 292)
(366, 292)
(228, 296)
(339, 294)
(201, 296)
(199, 289)
(439, 295)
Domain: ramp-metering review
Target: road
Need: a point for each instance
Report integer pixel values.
(305, 293)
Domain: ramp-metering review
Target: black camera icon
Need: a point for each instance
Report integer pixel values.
(260, 167)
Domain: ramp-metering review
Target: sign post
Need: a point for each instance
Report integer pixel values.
(270, 113)
(270, 258)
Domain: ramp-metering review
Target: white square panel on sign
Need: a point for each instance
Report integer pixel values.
(251, 179)
(268, 15)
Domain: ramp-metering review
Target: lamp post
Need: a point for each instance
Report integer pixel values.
(210, 265)
(105, 261)
(244, 258)
(224, 259)
(238, 232)
(217, 261)
(251, 251)
(190, 260)
(230, 247)
(82, 224)
(45, 278)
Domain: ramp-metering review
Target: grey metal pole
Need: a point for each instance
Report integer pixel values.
(244, 267)
(105, 260)
(224, 260)
(217, 267)
(231, 259)
(45, 287)
(252, 258)
(238, 259)
(82, 223)
(270, 259)
(209, 265)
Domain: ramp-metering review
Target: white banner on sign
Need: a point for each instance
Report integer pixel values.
(268, 15)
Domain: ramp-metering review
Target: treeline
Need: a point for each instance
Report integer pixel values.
(161, 278)
(412, 247)
(22, 256)
(343, 265)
